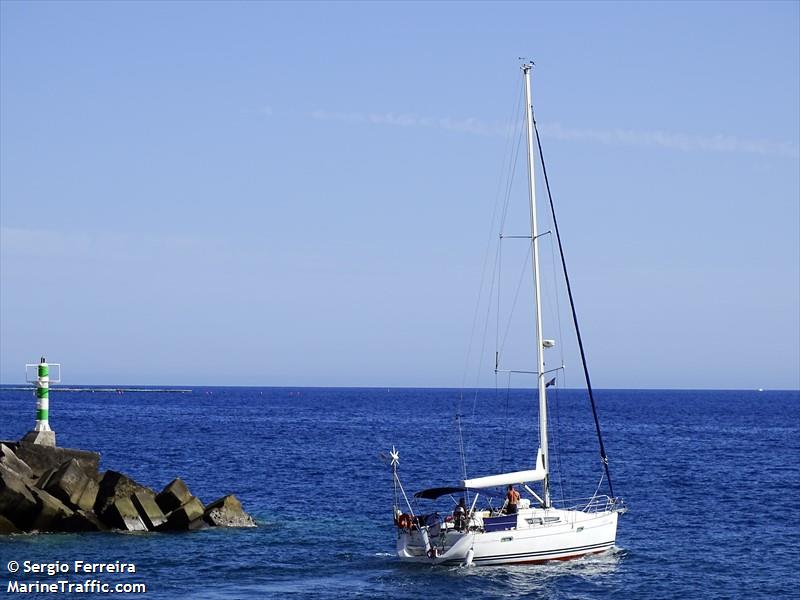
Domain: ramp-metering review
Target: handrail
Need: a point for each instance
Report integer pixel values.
(592, 504)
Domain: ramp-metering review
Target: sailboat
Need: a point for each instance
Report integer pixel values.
(530, 526)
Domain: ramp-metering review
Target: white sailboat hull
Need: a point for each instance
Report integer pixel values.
(574, 534)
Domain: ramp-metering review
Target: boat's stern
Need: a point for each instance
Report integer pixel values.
(422, 546)
(410, 546)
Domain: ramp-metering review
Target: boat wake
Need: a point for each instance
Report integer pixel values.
(590, 565)
(536, 579)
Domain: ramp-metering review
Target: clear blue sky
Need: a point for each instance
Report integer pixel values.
(300, 194)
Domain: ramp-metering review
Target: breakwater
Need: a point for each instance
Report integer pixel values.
(52, 489)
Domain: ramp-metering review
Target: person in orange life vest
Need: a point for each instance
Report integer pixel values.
(512, 499)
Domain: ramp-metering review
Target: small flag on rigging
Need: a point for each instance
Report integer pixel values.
(551, 382)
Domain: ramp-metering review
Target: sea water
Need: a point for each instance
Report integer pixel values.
(711, 479)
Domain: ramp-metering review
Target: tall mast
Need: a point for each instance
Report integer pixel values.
(526, 70)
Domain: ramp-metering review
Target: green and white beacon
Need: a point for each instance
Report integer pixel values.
(42, 434)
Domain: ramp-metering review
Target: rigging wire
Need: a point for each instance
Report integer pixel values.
(499, 267)
(556, 395)
(603, 455)
(496, 279)
(497, 332)
(520, 124)
(495, 275)
(558, 304)
(503, 456)
(483, 342)
(522, 273)
(509, 157)
(461, 446)
(557, 440)
(497, 319)
(500, 345)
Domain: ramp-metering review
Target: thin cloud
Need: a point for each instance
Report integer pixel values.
(467, 125)
(684, 142)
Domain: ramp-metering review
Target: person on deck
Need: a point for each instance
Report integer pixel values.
(460, 515)
(512, 499)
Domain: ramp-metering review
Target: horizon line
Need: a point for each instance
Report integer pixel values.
(185, 388)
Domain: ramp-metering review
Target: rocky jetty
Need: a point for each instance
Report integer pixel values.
(51, 489)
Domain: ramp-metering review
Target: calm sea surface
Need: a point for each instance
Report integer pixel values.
(711, 479)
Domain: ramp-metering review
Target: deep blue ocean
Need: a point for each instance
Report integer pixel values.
(711, 479)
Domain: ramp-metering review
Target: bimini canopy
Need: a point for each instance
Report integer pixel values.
(489, 481)
(434, 493)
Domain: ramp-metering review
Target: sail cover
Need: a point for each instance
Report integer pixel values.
(536, 474)
(506, 479)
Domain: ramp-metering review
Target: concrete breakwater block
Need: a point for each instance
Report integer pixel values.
(173, 496)
(16, 464)
(115, 485)
(41, 438)
(228, 512)
(41, 481)
(145, 503)
(198, 524)
(41, 458)
(72, 485)
(7, 527)
(181, 518)
(122, 514)
(17, 502)
(51, 511)
(83, 520)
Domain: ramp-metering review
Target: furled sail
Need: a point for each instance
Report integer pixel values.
(537, 474)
